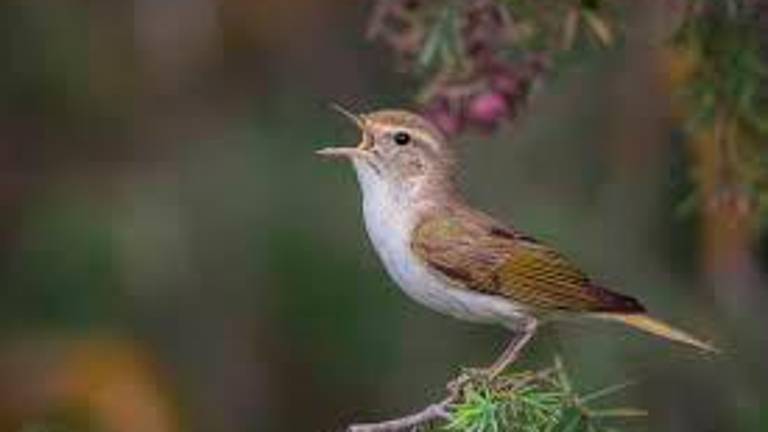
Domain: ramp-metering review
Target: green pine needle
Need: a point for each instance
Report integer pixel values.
(533, 402)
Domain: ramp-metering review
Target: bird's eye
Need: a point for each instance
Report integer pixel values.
(402, 138)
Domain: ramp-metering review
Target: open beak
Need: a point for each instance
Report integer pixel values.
(348, 152)
(341, 152)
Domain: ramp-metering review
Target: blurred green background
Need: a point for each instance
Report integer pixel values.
(174, 257)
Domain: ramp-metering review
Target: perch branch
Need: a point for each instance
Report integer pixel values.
(434, 412)
(440, 410)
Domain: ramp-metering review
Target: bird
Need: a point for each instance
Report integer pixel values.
(460, 261)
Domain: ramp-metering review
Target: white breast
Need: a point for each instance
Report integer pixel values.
(389, 220)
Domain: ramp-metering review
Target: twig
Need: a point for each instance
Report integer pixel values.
(436, 411)
(439, 411)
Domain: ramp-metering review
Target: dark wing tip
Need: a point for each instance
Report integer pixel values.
(611, 301)
(496, 231)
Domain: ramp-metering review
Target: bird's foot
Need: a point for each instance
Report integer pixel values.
(468, 376)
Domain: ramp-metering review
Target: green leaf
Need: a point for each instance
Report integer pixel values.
(599, 27)
(442, 42)
(606, 391)
(571, 421)
(620, 412)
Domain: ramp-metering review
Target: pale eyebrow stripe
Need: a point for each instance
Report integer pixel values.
(428, 139)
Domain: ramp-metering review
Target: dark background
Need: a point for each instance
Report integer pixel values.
(174, 257)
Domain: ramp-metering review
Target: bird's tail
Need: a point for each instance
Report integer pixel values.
(659, 328)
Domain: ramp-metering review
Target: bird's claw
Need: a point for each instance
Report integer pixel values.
(466, 377)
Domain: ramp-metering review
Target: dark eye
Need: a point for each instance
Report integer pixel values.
(401, 138)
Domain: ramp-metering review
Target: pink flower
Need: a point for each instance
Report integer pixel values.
(487, 109)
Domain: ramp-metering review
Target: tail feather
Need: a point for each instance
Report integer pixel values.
(659, 328)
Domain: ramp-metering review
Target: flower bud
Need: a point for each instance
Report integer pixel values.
(487, 109)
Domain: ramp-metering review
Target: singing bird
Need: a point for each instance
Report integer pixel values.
(458, 260)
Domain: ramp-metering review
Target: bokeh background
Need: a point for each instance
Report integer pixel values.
(173, 257)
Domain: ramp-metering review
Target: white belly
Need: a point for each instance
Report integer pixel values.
(389, 227)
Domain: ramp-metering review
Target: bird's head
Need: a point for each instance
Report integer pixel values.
(398, 148)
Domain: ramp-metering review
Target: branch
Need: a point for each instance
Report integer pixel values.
(428, 415)
(439, 411)
(515, 402)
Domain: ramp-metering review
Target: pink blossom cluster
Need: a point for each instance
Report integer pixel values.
(484, 100)
(483, 86)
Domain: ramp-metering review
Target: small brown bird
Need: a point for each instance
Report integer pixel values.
(460, 261)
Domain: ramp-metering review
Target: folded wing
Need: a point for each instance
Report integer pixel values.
(475, 253)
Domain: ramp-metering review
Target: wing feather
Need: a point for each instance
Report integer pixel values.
(472, 251)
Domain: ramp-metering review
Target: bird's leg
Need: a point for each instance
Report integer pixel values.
(512, 351)
(507, 357)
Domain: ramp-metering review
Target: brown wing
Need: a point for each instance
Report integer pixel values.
(470, 249)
